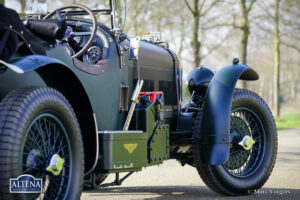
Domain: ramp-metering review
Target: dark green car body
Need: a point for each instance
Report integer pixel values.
(96, 97)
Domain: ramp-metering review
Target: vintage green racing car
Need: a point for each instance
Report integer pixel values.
(81, 100)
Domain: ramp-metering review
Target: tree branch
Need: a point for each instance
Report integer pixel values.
(218, 25)
(234, 23)
(267, 12)
(250, 5)
(210, 7)
(260, 16)
(216, 46)
(293, 46)
(189, 7)
(263, 28)
(201, 6)
(289, 35)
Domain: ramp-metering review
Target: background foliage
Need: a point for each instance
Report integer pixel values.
(263, 34)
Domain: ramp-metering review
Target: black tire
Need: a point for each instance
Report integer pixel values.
(33, 111)
(234, 178)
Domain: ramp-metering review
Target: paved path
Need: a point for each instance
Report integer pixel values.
(171, 181)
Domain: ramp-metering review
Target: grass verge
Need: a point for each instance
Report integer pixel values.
(288, 120)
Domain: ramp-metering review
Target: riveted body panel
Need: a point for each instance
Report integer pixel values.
(123, 151)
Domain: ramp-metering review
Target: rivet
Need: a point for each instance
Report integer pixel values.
(22, 32)
(29, 45)
(10, 26)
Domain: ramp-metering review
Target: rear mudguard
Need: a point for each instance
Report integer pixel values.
(30, 63)
(216, 113)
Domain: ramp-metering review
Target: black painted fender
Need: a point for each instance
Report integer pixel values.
(30, 63)
(216, 112)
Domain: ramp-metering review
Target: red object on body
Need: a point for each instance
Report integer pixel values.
(153, 95)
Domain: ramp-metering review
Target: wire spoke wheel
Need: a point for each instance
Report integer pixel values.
(242, 162)
(45, 137)
(253, 147)
(42, 139)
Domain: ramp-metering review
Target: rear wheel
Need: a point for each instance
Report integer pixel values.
(40, 136)
(253, 148)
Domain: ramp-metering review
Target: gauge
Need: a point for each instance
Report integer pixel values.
(93, 55)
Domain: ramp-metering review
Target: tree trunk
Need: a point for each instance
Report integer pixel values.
(182, 37)
(23, 4)
(245, 36)
(195, 41)
(135, 19)
(276, 92)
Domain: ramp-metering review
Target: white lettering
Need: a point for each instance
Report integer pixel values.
(13, 184)
(32, 184)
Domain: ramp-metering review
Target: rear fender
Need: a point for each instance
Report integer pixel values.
(216, 112)
(58, 75)
(30, 63)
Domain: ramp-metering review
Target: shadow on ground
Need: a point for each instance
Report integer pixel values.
(187, 192)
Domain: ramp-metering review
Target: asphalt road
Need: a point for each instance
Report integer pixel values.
(172, 181)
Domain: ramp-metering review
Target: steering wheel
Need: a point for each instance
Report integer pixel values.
(74, 34)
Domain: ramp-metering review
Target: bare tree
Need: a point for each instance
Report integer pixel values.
(136, 23)
(291, 27)
(174, 24)
(277, 40)
(285, 32)
(245, 29)
(198, 9)
(23, 4)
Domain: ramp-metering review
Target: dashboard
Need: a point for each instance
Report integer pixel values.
(96, 52)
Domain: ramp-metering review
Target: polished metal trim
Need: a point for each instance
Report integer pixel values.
(97, 147)
(116, 132)
(135, 101)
